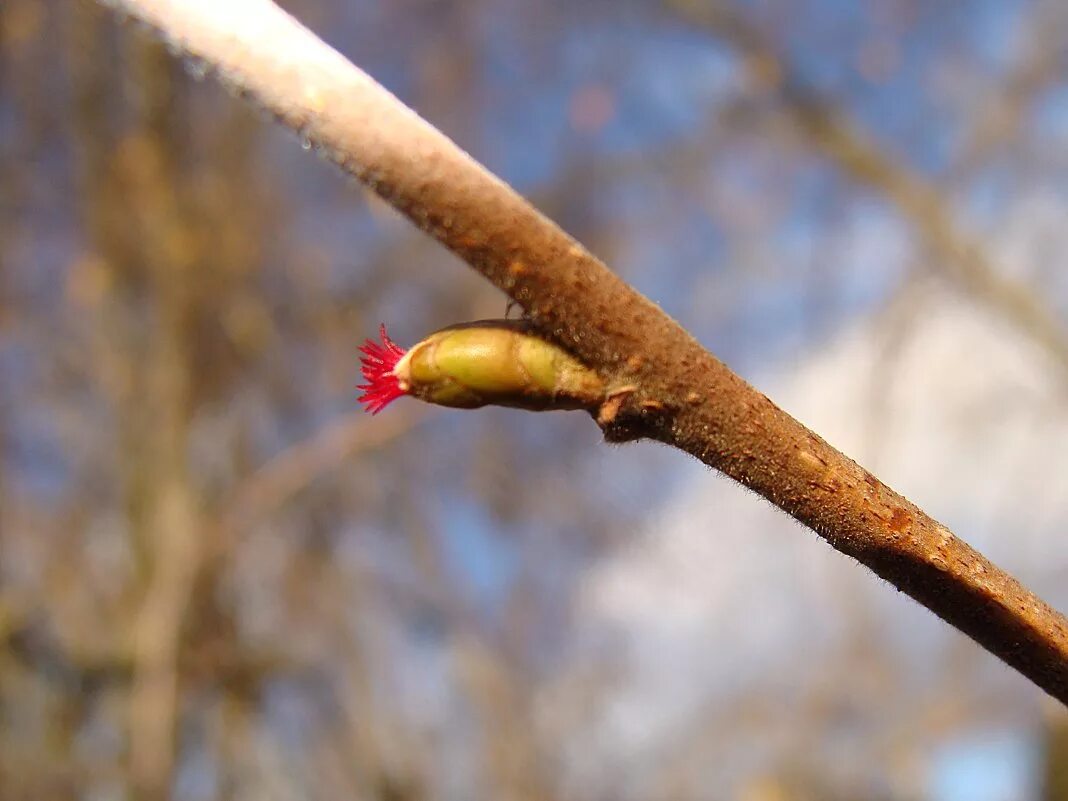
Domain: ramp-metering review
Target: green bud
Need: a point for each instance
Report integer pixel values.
(499, 362)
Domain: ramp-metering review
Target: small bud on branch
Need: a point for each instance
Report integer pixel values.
(498, 362)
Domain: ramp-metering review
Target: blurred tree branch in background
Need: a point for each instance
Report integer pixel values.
(1055, 781)
(830, 130)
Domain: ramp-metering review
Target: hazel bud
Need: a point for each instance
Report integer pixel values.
(499, 362)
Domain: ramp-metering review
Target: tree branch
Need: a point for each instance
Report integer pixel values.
(683, 395)
(284, 475)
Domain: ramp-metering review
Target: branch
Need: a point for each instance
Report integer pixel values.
(683, 395)
(999, 118)
(284, 475)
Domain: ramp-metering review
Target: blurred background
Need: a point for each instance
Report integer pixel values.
(219, 579)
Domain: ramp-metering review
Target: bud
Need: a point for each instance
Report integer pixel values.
(499, 362)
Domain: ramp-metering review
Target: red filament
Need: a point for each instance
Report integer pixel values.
(381, 386)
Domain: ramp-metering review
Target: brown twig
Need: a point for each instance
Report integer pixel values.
(682, 395)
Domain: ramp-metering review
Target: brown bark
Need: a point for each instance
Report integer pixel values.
(681, 394)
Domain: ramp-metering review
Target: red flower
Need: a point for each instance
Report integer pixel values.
(376, 364)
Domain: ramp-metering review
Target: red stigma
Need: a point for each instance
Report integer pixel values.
(376, 364)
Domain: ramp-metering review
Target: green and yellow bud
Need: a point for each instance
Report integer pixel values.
(499, 362)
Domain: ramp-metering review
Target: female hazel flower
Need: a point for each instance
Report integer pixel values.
(377, 364)
(500, 362)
